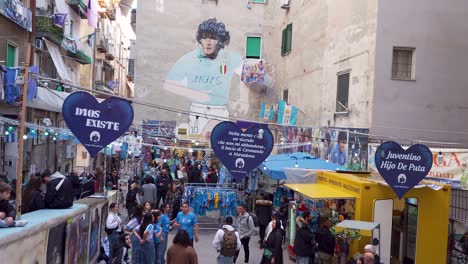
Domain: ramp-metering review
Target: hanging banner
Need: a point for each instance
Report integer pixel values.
(287, 114)
(96, 124)
(17, 12)
(253, 71)
(69, 44)
(403, 169)
(266, 112)
(448, 166)
(241, 150)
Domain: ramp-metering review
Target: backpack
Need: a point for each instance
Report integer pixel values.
(229, 243)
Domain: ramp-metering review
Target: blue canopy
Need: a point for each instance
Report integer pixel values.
(274, 165)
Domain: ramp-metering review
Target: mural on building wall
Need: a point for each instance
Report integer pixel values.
(94, 238)
(77, 239)
(56, 244)
(204, 77)
(346, 147)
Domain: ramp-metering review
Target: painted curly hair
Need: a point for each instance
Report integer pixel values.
(213, 28)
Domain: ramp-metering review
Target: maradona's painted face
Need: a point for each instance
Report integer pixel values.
(209, 45)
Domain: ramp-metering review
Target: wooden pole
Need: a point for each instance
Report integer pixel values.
(22, 120)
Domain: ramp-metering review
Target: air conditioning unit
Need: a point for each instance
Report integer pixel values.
(39, 44)
(285, 4)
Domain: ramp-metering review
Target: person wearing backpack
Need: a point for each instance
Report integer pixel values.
(226, 242)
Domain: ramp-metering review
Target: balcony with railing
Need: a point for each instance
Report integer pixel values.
(101, 41)
(78, 50)
(45, 28)
(110, 51)
(79, 6)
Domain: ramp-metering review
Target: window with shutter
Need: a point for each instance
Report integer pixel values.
(253, 48)
(286, 44)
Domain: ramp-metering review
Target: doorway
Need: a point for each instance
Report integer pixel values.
(404, 231)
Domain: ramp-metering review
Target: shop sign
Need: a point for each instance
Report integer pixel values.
(403, 169)
(241, 150)
(96, 124)
(17, 12)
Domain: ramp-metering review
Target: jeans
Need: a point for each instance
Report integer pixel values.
(112, 241)
(224, 260)
(136, 248)
(4, 224)
(162, 249)
(156, 253)
(147, 252)
(302, 260)
(245, 243)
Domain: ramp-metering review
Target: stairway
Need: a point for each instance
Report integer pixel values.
(208, 224)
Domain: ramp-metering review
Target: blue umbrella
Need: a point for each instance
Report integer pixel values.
(274, 165)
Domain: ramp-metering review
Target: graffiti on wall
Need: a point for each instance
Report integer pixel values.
(77, 239)
(56, 244)
(204, 76)
(95, 231)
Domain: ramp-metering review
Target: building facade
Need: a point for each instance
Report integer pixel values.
(64, 54)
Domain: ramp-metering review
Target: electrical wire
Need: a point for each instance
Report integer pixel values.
(221, 118)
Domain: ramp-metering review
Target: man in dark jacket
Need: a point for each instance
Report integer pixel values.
(89, 187)
(59, 194)
(75, 180)
(163, 182)
(195, 174)
(263, 210)
(113, 179)
(304, 241)
(325, 241)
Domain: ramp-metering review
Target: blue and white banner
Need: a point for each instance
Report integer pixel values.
(267, 112)
(287, 114)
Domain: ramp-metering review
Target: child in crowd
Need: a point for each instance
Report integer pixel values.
(7, 212)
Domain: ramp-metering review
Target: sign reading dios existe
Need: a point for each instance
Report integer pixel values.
(96, 124)
(403, 169)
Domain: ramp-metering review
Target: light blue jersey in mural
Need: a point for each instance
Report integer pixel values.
(200, 73)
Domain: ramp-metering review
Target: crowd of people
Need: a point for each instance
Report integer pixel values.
(155, 206)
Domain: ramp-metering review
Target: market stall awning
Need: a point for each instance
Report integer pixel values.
(275, 165)
(58, 60)
(364, 227)
(48, 100)
(320, 191)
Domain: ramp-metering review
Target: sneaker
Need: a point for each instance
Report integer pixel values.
(19, 223)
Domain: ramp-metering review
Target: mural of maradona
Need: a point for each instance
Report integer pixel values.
(205, 77)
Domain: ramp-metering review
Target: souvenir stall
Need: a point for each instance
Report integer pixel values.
(302, 167)
(405, 224)
(205, 198)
